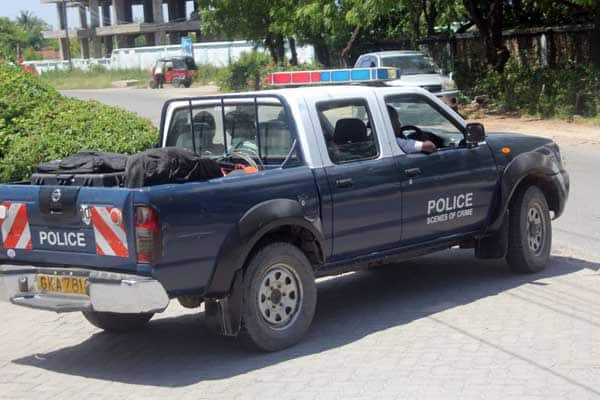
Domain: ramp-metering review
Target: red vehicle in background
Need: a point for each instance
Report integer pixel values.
(177, 71)
(27, 68)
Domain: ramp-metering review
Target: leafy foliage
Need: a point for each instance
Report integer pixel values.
(38, 124)
(20, 94)
(250, 72)
(246, 73)
(23, 34)
(562, 91)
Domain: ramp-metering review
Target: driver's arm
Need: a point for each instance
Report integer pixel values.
(414, 146)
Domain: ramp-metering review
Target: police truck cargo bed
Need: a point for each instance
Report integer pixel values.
(315, 181)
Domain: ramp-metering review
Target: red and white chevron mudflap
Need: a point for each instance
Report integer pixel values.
(109, 231)
(15, 227)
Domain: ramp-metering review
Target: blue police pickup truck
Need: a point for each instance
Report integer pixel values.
(324, 188)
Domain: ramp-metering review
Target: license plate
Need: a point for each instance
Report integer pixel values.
(62, 284)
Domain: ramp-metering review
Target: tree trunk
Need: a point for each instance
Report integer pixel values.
(595, 41)
(270, 45)
(323, 54)
(490, 23)
(293, 50)
(280, 49)
(347, 51)
(430, 16)
(416, 28)
(501, 53)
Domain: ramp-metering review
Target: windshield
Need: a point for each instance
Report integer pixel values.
(417, 111)
(413, 64)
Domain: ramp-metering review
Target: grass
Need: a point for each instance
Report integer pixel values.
(95, 78)
(209, 75)
(102, 78)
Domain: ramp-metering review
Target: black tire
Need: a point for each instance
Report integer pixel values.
(117, 323)
(530, 231)
(260, 329)
(187, 84)
(152, 84)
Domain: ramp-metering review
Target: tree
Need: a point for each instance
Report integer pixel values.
(33, 28)
(12, 38)
(247, 19)
(25, 33)
(488, 16)
(592, 9)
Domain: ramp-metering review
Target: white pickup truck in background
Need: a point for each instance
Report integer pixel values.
(416, 69)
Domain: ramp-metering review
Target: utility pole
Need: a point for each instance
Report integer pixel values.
(68, 46)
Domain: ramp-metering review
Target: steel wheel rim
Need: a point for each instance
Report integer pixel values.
(279, 296)
(535, 229)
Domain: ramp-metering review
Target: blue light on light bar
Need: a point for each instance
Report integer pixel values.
(360, 75)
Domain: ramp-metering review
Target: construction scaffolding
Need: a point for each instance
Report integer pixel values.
(105, 24)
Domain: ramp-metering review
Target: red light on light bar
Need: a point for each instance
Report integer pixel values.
(295, 77)
(281, 78)
(300, 77)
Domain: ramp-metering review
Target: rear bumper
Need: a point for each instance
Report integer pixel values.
(106, 291)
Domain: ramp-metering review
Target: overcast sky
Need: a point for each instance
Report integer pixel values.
(45, 11)
(11, 8)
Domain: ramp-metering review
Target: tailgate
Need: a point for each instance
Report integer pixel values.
(61, 225)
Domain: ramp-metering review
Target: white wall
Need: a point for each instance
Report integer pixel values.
(218, 54)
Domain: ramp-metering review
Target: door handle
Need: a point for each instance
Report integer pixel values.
(344, 183)
(412, 172)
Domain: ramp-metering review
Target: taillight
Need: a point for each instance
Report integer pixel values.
(3, 215)
(147, 235)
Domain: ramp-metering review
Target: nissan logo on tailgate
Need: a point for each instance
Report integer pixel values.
(56, 195)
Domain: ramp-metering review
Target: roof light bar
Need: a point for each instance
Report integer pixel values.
(332, 76)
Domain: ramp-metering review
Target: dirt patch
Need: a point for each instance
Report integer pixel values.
(561, 131)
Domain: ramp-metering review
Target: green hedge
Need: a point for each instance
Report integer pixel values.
(562, 91)
(250, 71)
(38, 124)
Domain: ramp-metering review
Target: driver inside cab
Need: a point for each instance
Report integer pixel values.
(241, 128)
(408, 145)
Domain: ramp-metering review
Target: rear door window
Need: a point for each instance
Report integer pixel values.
(348, 130)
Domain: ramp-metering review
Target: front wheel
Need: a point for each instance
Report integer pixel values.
(117, 323)
(530, 231)
(280, 298)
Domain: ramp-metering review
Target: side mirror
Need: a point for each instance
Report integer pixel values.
(474, 134)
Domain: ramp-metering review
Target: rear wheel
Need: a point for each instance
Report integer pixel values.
(530, 231)
(118, 323)
(280, 298)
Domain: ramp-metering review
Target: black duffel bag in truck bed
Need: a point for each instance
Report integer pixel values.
(148, 168)
(169, 165)
(86, 168)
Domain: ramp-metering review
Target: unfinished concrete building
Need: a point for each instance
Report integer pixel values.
(104, 24)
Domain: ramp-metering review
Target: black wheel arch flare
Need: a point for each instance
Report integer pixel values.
(538, 166)
(254, 225)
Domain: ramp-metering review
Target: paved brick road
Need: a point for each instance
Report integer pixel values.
(442, 327)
